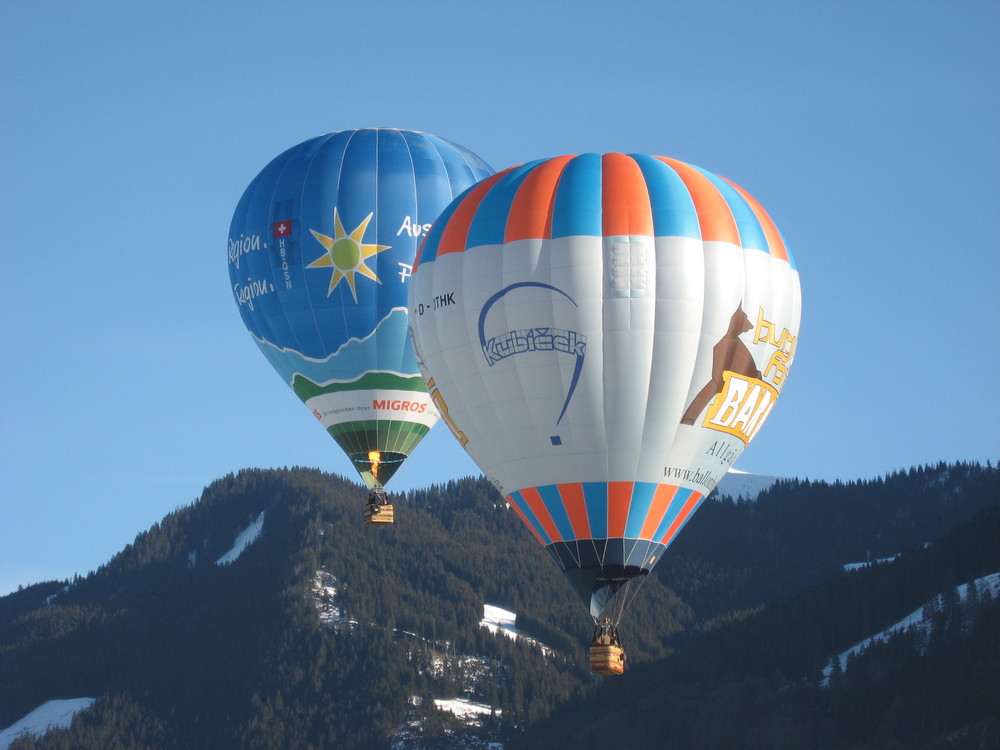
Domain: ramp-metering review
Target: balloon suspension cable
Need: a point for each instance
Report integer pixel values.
(622, 599)
(618, 602)
(634, 590)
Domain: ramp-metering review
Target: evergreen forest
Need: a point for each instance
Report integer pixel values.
(326, 633)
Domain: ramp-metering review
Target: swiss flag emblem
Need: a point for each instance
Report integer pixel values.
(283, 228)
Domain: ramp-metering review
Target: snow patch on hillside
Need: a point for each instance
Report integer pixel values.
(325, 595)
(465, 709)
(919, 620)
(243, 540)
(500, 620)
(57, 714)
(878, 561)
(737, 484)
(475, 726)
(51, 597)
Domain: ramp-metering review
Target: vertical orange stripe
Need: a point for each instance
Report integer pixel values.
(625, 205)
(657, 510)
(530, 214)
(456, 231)
(619, 500)
(714, 216)
(689, 506)
(534, 501)
(420, 251)
(527, 523)
(576, 508)
(774, 242)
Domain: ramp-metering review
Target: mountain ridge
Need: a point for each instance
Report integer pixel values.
(176, 641)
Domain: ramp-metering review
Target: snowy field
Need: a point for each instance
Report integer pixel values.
(52, 715)
(500, 620)
(464, 709)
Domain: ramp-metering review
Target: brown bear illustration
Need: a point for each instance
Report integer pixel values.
(729, 354)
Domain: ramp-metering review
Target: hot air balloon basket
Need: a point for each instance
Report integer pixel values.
(378, 513)
(607, 659)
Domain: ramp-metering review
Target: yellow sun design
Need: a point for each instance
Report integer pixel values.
(346, 254)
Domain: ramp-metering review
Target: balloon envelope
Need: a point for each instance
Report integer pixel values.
(605, 334)
(321, 247)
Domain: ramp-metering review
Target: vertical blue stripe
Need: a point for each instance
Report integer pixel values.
(577, 209)
(518, 499)
(489, 225)
(680, 497)
(315, 171)
(595, 495)
(791, 258)
(406, 187)
(430, 246)
(642, 498)
(557, 510)
(357, 183)
(752, 235)
(674, 214)
(431, 189)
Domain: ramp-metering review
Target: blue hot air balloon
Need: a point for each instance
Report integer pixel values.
(321, 248)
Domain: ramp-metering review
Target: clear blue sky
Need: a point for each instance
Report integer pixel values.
(869, 130)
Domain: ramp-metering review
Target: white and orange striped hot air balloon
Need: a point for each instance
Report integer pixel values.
(605, 334)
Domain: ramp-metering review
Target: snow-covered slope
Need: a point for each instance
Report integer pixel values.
(243, 540)
(737, 484)
(57, 714)
(499, 620)
(465, 709)
(918, 620)
(496, 620)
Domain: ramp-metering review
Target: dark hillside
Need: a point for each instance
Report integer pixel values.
(758, 683)
(735, 555)
(327, 633)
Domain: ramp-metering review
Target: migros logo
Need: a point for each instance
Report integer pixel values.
(386, 404)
